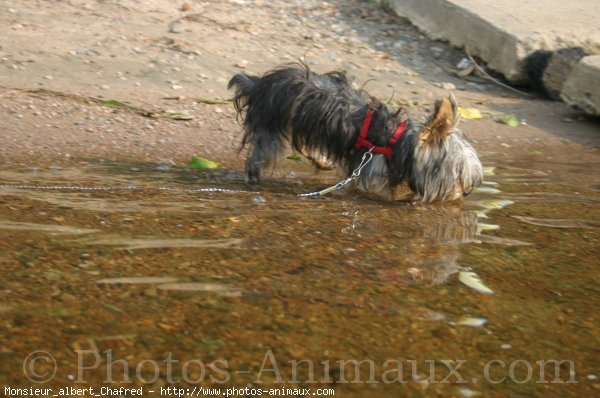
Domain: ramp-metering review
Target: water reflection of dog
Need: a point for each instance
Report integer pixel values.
(426, 239)
(448, 228)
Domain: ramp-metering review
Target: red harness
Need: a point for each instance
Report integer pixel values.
(363, 142)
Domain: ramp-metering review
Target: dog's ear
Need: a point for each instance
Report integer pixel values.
(444, 118)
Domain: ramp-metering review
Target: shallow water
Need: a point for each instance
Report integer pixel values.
(155, 268)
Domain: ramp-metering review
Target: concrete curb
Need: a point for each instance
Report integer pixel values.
(443, 20)
(504, 33)
(582, 88)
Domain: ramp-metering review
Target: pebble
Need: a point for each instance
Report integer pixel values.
(463, 63)
(176, 87)
(410, 82)
(242, 64)
(48, 77)
(79, 122)
(506, 346)
(176, 29)
(448, 86)
(467, 392)
(105, 87)
(473, 322)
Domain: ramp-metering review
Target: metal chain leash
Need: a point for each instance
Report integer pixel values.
(366, 158)
(355, 174)
(118, 188)
(70, 187)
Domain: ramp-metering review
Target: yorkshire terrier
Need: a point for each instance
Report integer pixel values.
(327, 120)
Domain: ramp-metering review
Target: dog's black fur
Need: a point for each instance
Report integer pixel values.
(321, 117)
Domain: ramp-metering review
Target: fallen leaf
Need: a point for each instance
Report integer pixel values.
(481, 227)
(293, 156)
(486, 190)
(496, 204)
(114, 103)
(471, 279)
(510, 120)
(200, 163)
(470, 113)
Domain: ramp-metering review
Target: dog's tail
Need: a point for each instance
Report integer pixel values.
(243, 85)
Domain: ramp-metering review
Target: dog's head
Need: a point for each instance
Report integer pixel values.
(444, 166)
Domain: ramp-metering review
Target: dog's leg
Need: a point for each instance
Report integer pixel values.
(265, 150)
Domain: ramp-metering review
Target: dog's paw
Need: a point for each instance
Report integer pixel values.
(322, 163)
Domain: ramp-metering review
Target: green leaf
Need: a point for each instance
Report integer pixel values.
(113, 103)
(535, 152)
(293, 156)
(510, 120)
(199, 163)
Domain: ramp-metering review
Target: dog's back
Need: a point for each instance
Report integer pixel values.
(317, 108)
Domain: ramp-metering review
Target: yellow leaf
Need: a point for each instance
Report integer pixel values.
(470, 113)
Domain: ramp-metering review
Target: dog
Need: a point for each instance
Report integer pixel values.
(325, 118)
